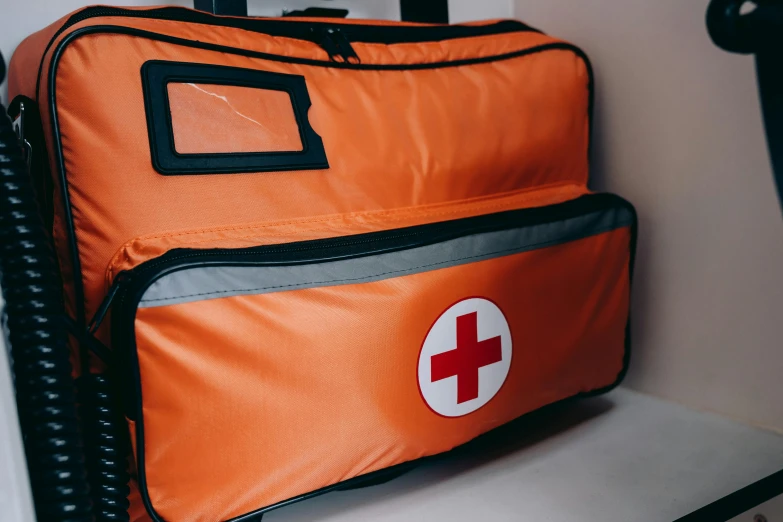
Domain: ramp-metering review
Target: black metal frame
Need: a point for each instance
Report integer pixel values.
(740, 501)
(222, 7)
(425, 11)
(755, 32)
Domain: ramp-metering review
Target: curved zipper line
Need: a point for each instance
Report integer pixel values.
(175, 40)
(434, 232)
(168, 14)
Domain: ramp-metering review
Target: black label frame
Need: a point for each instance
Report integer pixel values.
(157, 74)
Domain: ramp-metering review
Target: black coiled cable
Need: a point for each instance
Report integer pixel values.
(45, 394)
(73, 479)
(105, 437)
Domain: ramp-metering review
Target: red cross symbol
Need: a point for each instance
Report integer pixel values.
(465, 360)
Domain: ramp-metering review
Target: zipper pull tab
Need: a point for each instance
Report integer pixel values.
(346, 50)
(100, 314)
(328, 44)
(334, 42)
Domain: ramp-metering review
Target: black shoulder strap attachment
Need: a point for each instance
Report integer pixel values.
(758, 31)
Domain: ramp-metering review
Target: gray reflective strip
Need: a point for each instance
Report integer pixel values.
(197, 284)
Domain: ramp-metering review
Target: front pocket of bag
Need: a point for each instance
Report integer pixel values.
(264, 374)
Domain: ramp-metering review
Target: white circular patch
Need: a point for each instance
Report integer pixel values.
(465, 357)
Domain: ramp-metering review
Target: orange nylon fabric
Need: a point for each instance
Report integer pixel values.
(323, 381)
(242, 406)
(394, 139)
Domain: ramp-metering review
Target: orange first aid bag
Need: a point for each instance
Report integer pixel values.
(317, 251)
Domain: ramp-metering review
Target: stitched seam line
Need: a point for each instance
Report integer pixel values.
(373, 213)
(385, 215)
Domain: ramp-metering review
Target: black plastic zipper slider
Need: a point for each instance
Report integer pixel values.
(100, 314)
(334, 42)
(344, 45)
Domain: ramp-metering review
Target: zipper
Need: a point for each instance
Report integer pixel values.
(369, 33)
(336, 45)
(342, 50)
(342, 34)
(371, 243)
(128, 286)
(103, 309)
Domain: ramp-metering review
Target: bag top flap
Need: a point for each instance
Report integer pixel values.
(166, 120)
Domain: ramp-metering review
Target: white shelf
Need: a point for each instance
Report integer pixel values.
(618, 458)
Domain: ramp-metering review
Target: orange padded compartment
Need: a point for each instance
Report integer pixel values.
(284, 393)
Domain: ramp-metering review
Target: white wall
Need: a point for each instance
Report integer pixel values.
(20, 18)
(679, 133)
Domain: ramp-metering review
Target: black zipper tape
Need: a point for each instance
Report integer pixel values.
(340, 248)
(343, 47)
(306, 30)
(301, 30)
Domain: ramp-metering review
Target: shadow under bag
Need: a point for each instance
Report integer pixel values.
(310, 253)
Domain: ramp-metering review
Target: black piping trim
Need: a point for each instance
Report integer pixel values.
(117, 29)
(126, 332)
(112, 29)
(76, 266)
(740, 501)
(308, 31)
